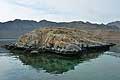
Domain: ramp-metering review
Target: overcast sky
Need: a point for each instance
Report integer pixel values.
(98, 11)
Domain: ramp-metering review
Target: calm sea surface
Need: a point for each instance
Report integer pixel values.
(94, 66)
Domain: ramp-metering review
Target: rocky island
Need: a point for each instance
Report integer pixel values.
(60, 41)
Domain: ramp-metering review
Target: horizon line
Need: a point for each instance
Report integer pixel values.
(60, 21)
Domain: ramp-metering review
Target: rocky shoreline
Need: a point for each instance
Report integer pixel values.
(82, 50)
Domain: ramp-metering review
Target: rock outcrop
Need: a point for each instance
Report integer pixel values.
(62, 38)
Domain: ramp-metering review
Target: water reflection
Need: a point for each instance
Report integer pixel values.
(52, 63)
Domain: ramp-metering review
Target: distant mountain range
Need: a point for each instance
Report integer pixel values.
(13, 29)
(116, 24)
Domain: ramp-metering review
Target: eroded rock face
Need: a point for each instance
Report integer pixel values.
(57, 37)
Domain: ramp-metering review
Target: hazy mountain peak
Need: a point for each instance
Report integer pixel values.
(115, 23)
(17, 20)
(44, 20)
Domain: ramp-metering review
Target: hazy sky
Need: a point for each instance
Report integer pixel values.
(100, 11)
